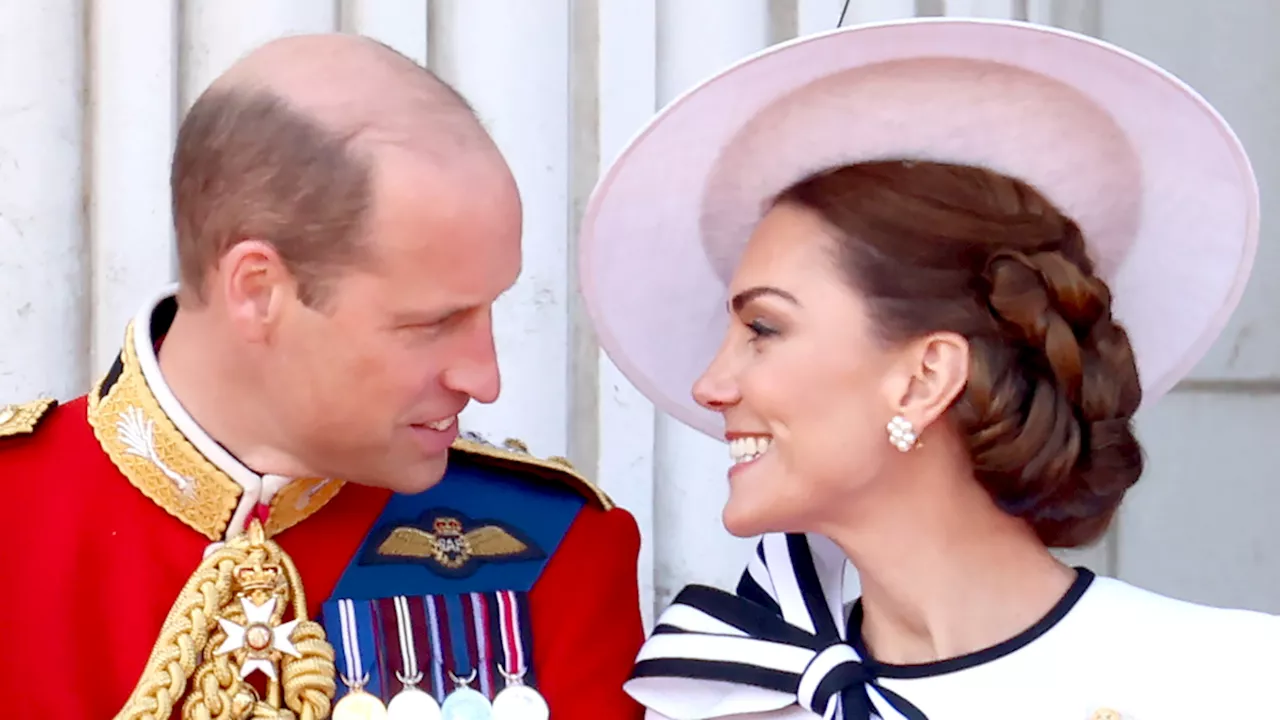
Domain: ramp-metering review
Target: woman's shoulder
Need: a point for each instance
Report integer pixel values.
(1148, 634)
(1130, 609)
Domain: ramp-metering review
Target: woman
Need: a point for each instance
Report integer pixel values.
(941, 264)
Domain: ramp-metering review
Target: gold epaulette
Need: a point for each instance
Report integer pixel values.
(515, 455)
(22, 418)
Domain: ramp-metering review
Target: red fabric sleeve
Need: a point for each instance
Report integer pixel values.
(587, 626)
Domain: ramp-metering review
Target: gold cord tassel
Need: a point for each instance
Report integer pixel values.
(228, 621)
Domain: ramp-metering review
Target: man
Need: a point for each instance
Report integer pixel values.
(250, 514)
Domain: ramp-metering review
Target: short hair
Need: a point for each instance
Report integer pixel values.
(1053, 385)
(248, 166)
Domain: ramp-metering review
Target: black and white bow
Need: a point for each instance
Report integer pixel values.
(778, 642)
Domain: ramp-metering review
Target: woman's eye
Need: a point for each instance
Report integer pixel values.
(760, 329)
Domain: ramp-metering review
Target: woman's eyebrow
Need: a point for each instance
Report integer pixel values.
(750, 294)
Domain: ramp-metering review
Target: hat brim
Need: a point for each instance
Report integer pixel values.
(1155, 177)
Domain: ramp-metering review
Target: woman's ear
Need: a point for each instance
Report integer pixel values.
(935, 369)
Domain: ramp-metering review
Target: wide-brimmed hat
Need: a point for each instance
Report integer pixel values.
(1158, 182)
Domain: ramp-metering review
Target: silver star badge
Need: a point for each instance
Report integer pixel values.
(259, 637)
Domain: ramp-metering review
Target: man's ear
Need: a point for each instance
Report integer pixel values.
(254, 283)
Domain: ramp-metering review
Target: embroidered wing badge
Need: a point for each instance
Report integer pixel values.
(450, 544)
(22, 418)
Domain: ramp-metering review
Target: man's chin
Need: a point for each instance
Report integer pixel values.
(420, 477)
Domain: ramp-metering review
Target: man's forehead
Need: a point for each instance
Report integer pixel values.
(466, 187)
(458, 229)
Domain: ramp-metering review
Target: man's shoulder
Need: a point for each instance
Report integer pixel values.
(22, 419)
(494, 522)
(50, 463)
(43, 429)
(512, 461)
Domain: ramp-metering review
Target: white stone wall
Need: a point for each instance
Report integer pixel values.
(91, 92)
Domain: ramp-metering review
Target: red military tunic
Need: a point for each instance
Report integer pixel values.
(94, 557)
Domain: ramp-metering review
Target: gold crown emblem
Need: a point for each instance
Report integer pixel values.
(447, 526)
(258, 576)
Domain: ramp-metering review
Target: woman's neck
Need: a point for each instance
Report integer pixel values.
(944, 572)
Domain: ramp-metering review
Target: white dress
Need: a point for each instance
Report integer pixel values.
(1107, 651)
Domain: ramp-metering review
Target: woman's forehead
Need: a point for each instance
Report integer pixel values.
(790, 245)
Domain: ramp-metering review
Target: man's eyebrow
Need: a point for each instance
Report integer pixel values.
(419, 317)
(746, 296)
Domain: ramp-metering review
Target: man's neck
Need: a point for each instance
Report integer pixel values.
(219, 397)
(944, 572)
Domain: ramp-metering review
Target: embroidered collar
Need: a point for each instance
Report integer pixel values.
(164, 453)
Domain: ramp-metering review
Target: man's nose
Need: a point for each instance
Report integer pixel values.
(475, 370)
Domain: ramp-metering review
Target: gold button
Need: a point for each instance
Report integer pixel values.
(1105, 714)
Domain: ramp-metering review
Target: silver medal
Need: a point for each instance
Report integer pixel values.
(466, 704)
(412, 703)
(520, 702)
(517, 701)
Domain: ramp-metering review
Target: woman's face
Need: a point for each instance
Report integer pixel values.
(805, 385)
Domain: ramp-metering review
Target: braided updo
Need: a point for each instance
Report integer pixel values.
(1052, 381)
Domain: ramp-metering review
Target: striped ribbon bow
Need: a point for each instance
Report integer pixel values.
(777, 643)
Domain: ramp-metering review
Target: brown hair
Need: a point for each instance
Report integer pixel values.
(247, 166)
(1052, 382)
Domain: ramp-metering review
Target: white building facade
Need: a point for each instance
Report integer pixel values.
(91, 92)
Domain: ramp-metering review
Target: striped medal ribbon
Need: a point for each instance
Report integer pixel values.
(463, 702)
(517, 700)
(411, 703)
(357, 625)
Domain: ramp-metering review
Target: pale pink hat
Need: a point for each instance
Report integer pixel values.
(1157, 180)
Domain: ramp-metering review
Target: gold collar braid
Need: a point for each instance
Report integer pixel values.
(161, 462)
(240, 594)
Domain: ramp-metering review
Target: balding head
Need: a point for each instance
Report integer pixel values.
(281, 148)
(344, 227)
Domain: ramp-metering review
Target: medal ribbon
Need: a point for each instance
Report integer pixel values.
(479, 614)
(439, 687)
(454, 625)
(408, 649)
(515, 662)
(357, 651)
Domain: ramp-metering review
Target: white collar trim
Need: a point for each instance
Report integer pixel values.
(257, 489)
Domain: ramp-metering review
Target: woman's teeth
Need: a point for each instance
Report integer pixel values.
(746, 449)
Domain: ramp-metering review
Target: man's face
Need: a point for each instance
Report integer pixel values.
(370, 385)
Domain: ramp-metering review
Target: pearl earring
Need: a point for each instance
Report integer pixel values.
(902, 434)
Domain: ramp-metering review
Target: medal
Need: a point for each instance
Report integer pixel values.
(464, 703)
(516, 701)
(411, 703)
(357, 704)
